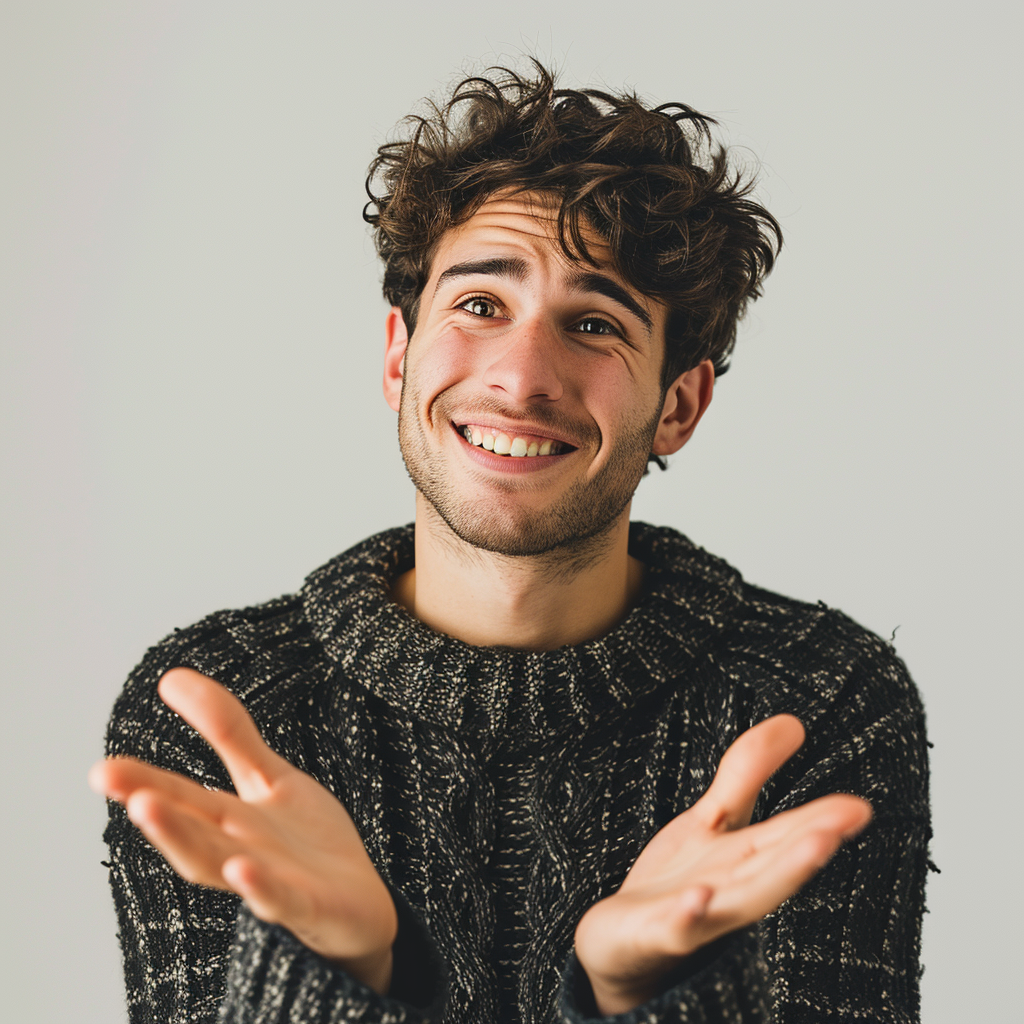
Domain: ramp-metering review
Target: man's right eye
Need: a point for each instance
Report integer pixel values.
(479, 306)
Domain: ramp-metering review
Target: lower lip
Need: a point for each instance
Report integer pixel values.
(509, 463)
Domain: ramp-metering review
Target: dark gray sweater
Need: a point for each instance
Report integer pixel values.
(502, 792)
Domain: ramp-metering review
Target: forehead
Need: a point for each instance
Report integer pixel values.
(525, 221)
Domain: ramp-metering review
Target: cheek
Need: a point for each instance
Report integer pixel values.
(615, 398)
(435, 365)
(628, 417)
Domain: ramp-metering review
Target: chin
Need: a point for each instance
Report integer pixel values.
(570, 528)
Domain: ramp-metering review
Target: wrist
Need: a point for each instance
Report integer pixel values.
(373, 970)
(613, 995)
(620, 995)
(612, 1001)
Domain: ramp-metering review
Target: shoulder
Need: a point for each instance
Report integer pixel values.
(780, 649)
(273, 656)
(248, 650)
(794, 644)
(797, 654)
(861, 710)
(773, 654)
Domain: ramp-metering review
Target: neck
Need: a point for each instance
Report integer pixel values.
(530, 602)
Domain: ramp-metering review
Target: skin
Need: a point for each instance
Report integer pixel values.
(539, 559)
(530, 555)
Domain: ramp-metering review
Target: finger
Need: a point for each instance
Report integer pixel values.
(221, 719)
(842, 814)
(778, 876)
(119, 777)
(745, 767)
(673, 930)
(840, 822)
(267, 897)
(195, 847)
(692, 906)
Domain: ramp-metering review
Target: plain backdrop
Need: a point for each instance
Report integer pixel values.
(192, 335)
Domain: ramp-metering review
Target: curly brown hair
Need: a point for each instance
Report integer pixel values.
(676, 217)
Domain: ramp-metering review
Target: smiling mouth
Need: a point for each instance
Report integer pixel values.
(511, 445)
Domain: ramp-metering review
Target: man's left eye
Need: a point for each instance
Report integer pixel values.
(595, 325)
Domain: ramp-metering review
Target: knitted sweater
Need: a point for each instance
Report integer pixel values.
(501, 793)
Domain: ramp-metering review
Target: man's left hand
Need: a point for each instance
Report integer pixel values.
(709, 871)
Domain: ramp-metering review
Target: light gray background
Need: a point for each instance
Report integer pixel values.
(192, 337)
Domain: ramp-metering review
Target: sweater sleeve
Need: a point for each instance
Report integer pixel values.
(194, 954)
(729, 985)
(273, 977)
(847, 946)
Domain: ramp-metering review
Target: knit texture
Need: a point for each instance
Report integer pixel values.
(502, 792)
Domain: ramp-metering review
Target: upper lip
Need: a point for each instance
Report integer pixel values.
(517, 429)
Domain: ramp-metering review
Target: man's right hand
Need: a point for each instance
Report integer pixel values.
(284, 844)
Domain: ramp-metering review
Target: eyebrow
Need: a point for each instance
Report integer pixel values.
(498, 266)
(589, 281)
(518, 269)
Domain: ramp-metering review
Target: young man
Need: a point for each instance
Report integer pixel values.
(526, 761)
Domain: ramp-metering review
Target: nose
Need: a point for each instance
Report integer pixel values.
(527, 365)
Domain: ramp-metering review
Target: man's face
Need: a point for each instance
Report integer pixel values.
(530, 393)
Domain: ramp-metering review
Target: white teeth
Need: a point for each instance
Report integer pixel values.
(503, 444)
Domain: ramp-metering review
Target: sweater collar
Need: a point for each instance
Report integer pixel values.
(505, 692)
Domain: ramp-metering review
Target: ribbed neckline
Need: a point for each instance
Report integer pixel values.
(688, 598)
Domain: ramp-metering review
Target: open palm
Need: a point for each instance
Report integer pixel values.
(284, 843)
(709, 871)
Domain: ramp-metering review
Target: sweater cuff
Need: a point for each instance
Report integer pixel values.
(272, 977)
(726, 982)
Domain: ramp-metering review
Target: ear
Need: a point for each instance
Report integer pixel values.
(685, 401)
(396, 342)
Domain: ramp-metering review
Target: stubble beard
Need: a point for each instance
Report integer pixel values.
(568, 533)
